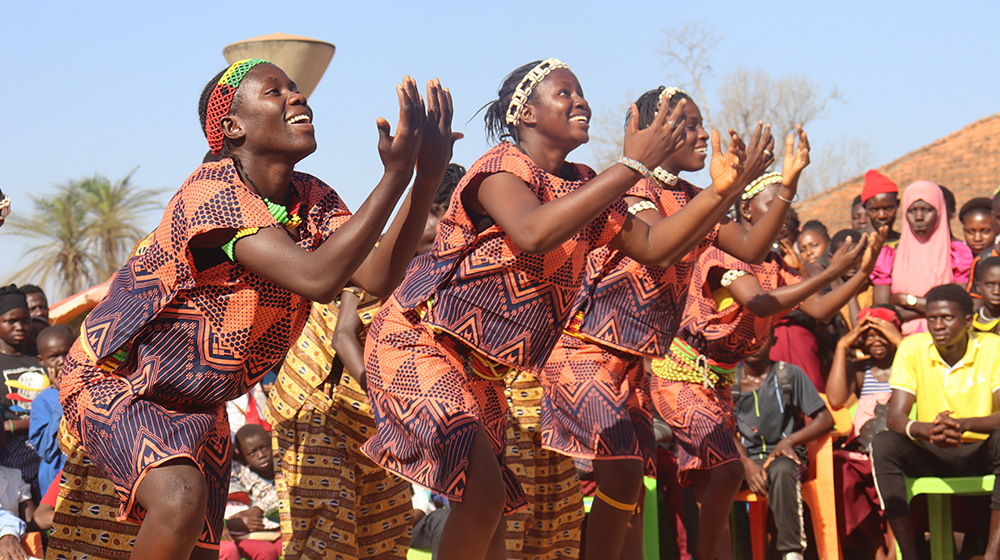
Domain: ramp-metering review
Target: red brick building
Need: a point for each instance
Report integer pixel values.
(966, 161)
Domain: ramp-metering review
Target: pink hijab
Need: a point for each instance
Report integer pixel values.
(921, 265)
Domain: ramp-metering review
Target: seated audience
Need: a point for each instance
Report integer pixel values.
(864, 298)
(253, 478)
(977, 225)
(771, 400)
(16, 505)
(952, 375)
(876, 338)
(925, 257)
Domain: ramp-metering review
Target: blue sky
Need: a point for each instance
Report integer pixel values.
(104, 87)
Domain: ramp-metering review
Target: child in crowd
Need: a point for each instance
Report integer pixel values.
(987, 285)
(877, 335)
(771, 400)
(43, 432)
(15, 324)
(977, 224)
(253, 478)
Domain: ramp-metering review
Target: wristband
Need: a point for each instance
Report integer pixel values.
(635, 166)
(907, 430)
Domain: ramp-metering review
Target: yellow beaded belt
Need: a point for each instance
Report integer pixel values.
(575, 324)
(478, 364)
(116, 359)
(684, 363)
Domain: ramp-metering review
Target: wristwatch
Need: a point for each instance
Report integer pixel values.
(911, 300)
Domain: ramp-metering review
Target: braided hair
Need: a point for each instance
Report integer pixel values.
(649, 103)
(497, 128)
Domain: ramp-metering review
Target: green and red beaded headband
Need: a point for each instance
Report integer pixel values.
(221, 100)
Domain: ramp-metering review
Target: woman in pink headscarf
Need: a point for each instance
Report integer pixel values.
(925, 257)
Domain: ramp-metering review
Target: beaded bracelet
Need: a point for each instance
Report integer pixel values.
(640, 206)
(635, 166)
(731, 276)
(665, 177)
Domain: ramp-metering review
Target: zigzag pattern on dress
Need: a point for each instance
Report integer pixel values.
(427, 403)
(634, 307)
(733, 333)
(507, 304)
(596, 404)
(195, 339)
(703, 423)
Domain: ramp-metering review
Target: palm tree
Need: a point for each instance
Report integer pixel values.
(59, 225)
(84, 232)
(115, 211)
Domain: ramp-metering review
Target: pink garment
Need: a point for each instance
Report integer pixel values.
(254, 550)
(865, 411)
(917, 265)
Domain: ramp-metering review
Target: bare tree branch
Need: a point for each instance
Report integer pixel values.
(687, 53)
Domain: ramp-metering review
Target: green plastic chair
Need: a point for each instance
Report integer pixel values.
(939, 491)
(414, 554)
(650, 520)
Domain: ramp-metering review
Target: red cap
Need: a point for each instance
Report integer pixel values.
(881, 313)
(875, 184)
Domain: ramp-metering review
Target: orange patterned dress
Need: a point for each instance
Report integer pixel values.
(701, 413)
(469, 310)
(597, 402)
(157, 359)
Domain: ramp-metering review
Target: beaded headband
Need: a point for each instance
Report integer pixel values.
(761, 183)
(668, 93)
(528, 83)
(221, 100)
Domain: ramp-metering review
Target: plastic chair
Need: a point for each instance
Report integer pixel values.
(650, 520)
(817, 492)
(415, 554)
(939, 492)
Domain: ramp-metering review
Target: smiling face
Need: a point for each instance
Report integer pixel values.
(922, 218)
(811, 246)
(876, 345)
(692, 154)
(882, 210)
(558, 111)
(988, 286)
(270, 116)
(979, 232)
(947, 324)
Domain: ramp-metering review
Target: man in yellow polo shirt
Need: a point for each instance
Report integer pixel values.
(952, 375)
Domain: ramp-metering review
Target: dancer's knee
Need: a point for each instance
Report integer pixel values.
(620, 478)
(175, 496)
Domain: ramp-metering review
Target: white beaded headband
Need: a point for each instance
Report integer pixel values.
(668, 93)
(528, 83)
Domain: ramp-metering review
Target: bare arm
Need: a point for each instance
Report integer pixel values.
(386, 265)
(748, 292)
(537, 228)
(321, 274)
(345, 337)
(753, 245)
(841, 382)
(652, 239)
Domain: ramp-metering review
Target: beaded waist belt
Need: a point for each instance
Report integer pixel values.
(476, 362)
(574, 325)
(115, 360)
(684, 363)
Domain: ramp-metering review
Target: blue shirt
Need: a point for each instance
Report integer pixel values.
(43, 433)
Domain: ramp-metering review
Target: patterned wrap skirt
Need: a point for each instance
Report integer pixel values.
(596, 403)
(428, 401)
(703, 423)
(549, 528)
(333, 501)
(85, 525)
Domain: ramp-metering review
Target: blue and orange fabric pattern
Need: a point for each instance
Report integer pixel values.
(180, 342)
